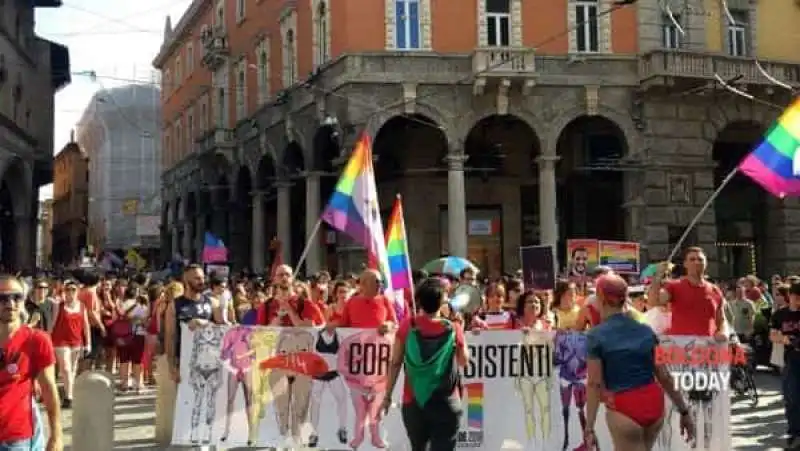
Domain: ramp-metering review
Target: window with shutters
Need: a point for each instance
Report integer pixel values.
(587, 27)
(407, 34)
(670, 34)
(737, 34)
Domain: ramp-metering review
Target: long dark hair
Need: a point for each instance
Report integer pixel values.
(520, 307)
(562, 286)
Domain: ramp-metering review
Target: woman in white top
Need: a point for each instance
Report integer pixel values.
(133, 309)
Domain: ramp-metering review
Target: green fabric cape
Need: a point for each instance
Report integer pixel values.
(425, 377)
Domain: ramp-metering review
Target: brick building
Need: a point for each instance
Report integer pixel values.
(501, 122)
(69, 224)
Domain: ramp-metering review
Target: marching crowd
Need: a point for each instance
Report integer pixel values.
(51, 329)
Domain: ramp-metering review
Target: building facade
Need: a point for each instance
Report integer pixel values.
(70, 225)
(503, 123)
(32, 69)
(121, 134)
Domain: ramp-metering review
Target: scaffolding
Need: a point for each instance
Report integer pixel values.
(120, 132)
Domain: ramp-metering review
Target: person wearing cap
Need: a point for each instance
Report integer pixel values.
(697, 305)
(622, 373)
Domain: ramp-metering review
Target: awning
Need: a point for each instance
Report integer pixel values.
(59, 65)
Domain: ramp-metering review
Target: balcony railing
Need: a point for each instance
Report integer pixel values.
(703, 66)
(503, 62)
(216, 139)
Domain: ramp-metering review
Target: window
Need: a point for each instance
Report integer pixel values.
(322, 33)
(407, 18)
(240, 10)
(219, 19)
(737, 34)
(189, 58)
(290, 60)
(670, 34)
(241, 90)
(498, 23)
(220, 106)
(166, 84)
(586, 26)
(190, 126)
(263, 72)
(178, 138)
(204, 115)
(178, 78)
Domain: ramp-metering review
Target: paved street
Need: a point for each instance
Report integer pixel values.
(754, 429)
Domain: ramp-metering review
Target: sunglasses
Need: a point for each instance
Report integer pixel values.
(43, 287)
(10, 297)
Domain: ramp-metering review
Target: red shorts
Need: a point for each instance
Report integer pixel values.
(644, 404)
(134, 352)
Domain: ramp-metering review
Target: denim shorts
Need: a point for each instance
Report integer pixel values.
(35, 443)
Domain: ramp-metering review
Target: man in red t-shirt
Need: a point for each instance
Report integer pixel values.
(286, 310)
(27, 357)
(436, 420)
(697, 305)
(368, 309)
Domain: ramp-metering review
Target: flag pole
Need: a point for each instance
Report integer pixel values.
(408, 257)
(307, 249)
(702, 211)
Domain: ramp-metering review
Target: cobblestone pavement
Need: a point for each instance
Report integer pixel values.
(754, 429)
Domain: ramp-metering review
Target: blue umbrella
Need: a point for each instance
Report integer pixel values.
(448, 265)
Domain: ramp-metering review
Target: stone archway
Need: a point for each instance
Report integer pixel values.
(741, 208)
(17, 227)
(177, 227)
(220, 210)
(191, 213)
(241, 220)
(166, 231)
(293, 168)
(502, 191)
(326, 164)
(264, 215)
(591, 184)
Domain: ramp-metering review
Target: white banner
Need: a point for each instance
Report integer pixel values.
(301, 387)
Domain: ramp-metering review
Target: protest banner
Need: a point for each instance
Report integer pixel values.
(538, 267)
(621, 256)
(302, 387)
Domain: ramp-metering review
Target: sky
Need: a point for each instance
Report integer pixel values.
(116, 39)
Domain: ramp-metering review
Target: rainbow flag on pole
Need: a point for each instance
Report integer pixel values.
(775, 163)
(354, 210)
(397, 248)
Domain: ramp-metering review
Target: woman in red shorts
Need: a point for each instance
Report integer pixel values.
(131, 354)
(622, 372)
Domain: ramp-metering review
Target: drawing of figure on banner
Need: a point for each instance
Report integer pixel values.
(701, 402)
(570, 359)
(262, 344)
(237, 358)
(364, 363)
(205, 378)
(291, 372)
(328, 347)
(534, 389)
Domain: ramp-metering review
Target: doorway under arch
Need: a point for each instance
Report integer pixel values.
(244, 224)
(294, 167)
(265, 184)
(740, 209)
(591, 190)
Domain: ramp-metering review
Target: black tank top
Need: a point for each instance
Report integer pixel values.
(186, 310)
(327, 348)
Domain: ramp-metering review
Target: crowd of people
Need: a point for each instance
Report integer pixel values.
(51, 329)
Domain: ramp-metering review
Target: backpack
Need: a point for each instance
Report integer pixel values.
(429, 365)
(121, 329)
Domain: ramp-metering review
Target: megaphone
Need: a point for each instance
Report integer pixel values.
(466, 299)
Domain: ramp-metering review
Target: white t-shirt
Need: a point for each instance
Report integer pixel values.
(138, 314)
(658, 320)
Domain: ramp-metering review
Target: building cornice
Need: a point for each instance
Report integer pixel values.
(171, 42)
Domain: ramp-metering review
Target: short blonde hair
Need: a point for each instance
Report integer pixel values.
(174, 290)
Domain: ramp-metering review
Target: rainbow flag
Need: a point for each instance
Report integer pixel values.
(397, 248)
(354, 209)
(775, 163)
(474, 405)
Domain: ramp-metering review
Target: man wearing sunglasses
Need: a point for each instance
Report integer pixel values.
(26, 358)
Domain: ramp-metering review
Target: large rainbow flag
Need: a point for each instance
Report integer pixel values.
(397, 248)
(775, 163)
(354, 209)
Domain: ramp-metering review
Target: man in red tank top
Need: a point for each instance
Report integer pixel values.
(26, 358)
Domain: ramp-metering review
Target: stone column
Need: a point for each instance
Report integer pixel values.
(199, 236)
(285, 221)
(175, 246)
(548, 216)
(22, 251)
(259, 247)
(312, 216)
(456, 205)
